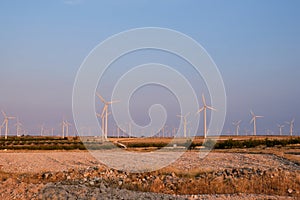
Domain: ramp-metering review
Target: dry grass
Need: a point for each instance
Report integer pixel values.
(192, 184)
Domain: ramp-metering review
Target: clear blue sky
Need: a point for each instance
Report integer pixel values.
(256, 45)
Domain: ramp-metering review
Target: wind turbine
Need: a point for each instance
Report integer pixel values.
(291, 123)
(102, 125)
(184, 123)
(129, 130)
(67, 125)
(164, 130)
(237, 126)
(280, 128)
(105, 112)
(205, 106)
(63, 128)
(18, 126)
(42, 129)
(5, 122)
(118, 131)
(253, 120)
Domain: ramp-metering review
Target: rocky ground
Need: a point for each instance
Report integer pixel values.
(78, 175)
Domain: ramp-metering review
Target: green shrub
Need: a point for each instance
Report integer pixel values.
(209, 143)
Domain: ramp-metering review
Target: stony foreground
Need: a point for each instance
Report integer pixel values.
(77, 175)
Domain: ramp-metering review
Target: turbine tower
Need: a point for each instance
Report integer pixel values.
(102, 116)
(237, 126)
(63, 128)
(280, 128)
(105, 112)
(5, 122)
(102, 124)
(42, 129)
(184, 123)
(253, 120)
(291, 123)
(67, 125)
(18, 127)
(205, 106)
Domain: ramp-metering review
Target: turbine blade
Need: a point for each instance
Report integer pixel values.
(211, 108)
(3, 113)
(101, 98)
(259, 116)
(252, 120)
(200, 110)
(103, 111)
(252, 113)
(203, 99)
(111, 102)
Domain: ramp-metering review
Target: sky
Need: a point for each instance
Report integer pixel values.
(254, 43)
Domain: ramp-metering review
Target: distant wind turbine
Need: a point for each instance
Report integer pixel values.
(5, 122)
(42, 129)
(237, 126)
(67, 125)
(291, 123)
(184, 123)
(253, 120)
(102, 125)
(164, 131)
(205, 106)
(18, 127)
(280, 128)
(105, 112)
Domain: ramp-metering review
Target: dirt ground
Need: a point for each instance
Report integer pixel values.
(39, 162)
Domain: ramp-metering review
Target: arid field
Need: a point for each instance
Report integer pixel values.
(260, 172)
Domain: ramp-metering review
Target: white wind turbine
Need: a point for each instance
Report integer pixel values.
(280, 128)
(184, 123)
(291, 123)
(63, 128)
(1, 129)
(102, 124)
(129, 130)
(164, 130)
(18, 127)
(102, 116)
(105, 112)
(253, 120)
(5, 122)
(205, 106)
(237, 126)
(42, 129)
(67, 125)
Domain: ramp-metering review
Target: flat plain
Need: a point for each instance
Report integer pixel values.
(237, 173)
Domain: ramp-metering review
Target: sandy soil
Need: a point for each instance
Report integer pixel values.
(36, 162)
(39, 161)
